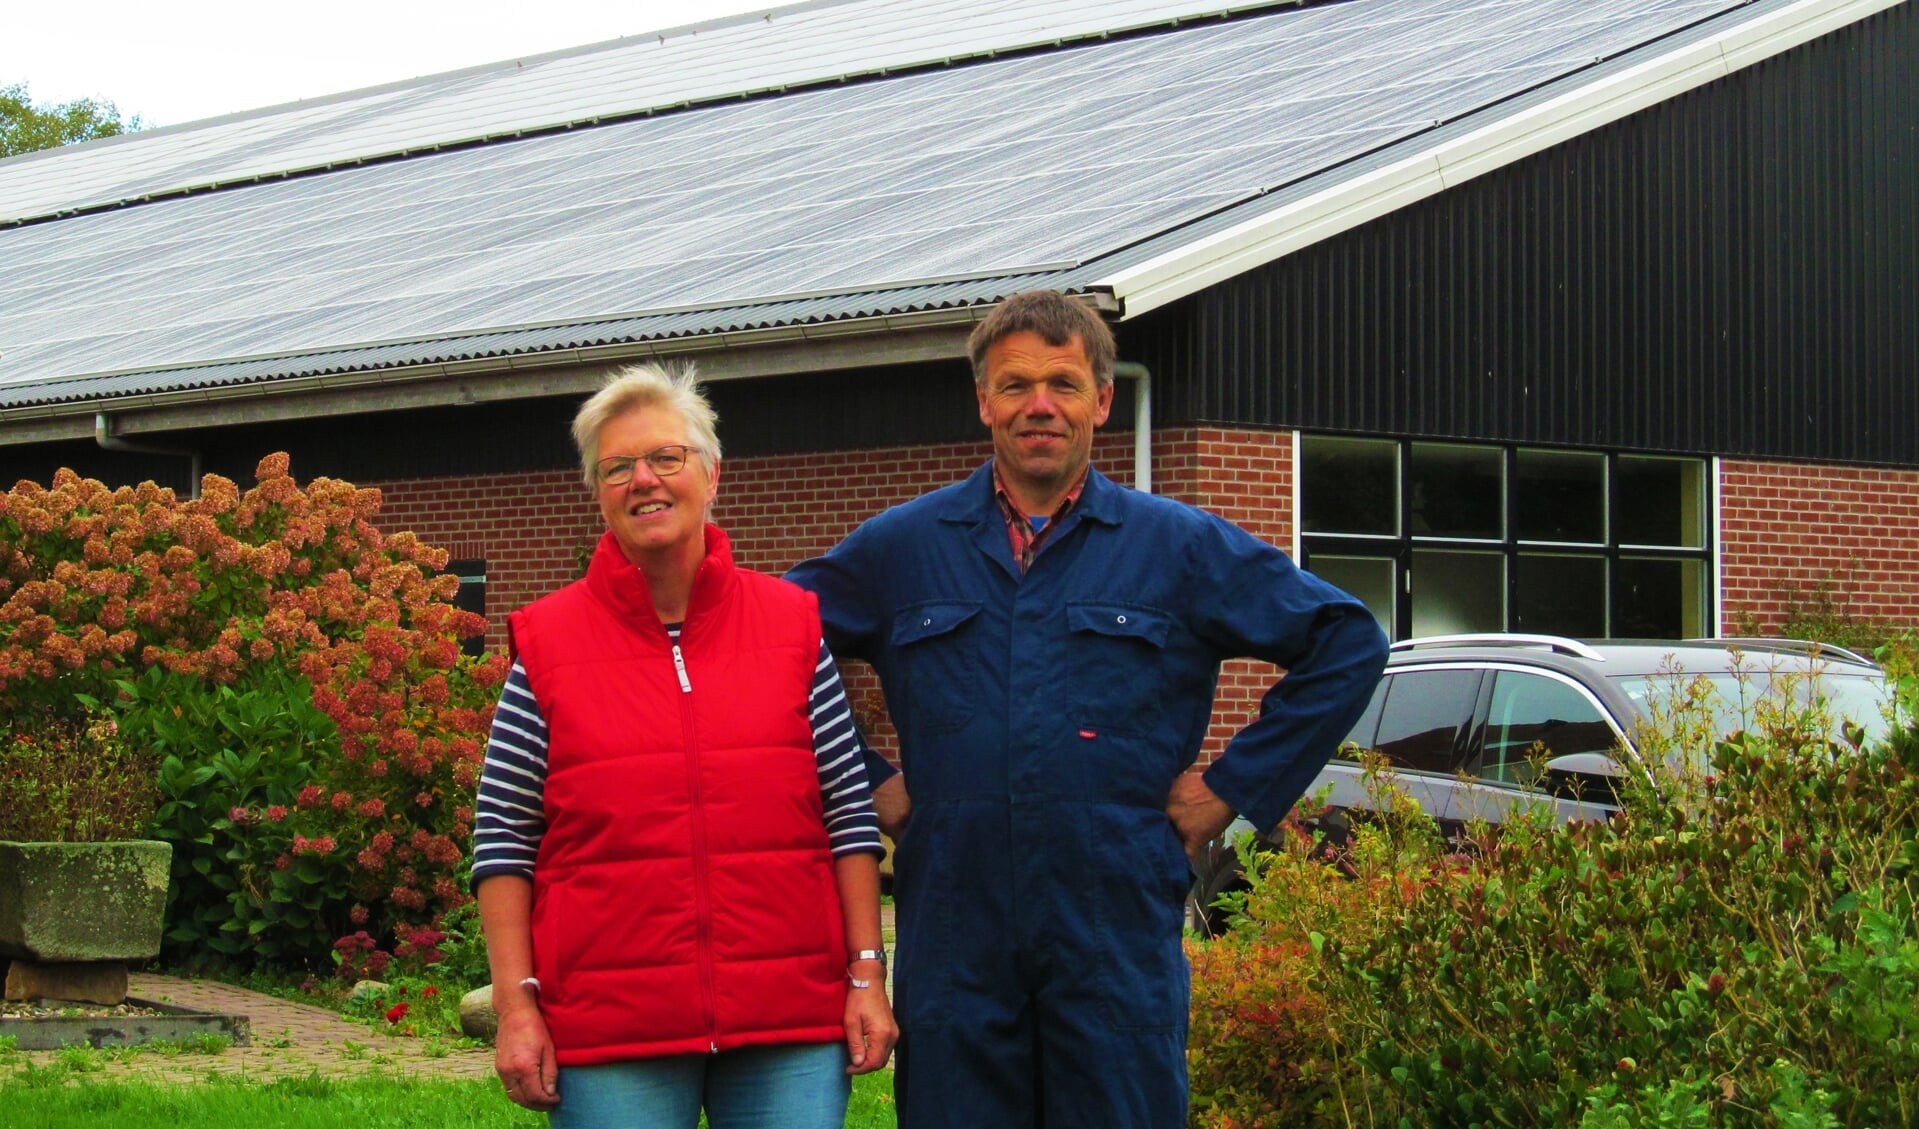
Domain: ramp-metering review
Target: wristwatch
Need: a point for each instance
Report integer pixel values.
(863, 954)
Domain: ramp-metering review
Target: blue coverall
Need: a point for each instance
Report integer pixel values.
(1043, 719)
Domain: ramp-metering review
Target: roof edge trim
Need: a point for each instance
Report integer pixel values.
(40, 422)
(1350, 201)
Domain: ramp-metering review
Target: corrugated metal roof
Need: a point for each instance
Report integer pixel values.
(547, 339)
(773, 49)
(876, 197)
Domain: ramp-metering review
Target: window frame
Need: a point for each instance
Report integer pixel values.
(1399, 549)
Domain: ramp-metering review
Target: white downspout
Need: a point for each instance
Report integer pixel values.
(1142, 380)
(103, 435)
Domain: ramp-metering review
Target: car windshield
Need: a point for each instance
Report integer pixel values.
(1738, 698)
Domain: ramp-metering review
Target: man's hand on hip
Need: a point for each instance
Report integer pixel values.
(893, 806)
(1197, 814)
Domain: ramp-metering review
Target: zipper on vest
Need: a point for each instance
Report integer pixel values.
(679, 668)
(702, 900)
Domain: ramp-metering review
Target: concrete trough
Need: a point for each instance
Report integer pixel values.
(174, 1024)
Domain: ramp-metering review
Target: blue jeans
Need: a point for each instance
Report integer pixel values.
(801, 1086)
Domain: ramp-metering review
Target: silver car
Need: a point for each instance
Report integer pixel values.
(1474, 725)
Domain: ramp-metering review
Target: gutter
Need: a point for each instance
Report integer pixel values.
(103, 435)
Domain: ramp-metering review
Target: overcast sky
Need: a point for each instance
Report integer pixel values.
(191, 59)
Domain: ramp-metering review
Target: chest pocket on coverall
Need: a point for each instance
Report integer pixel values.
(1117, 650)
(940, 668)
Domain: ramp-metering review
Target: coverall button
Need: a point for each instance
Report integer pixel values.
(1122, 619)
(926, 623)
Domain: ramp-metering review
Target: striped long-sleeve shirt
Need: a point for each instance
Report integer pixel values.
(511, 820)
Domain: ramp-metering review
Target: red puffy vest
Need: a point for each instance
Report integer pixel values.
(683, 896)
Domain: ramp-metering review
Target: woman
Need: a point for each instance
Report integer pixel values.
(675, 857)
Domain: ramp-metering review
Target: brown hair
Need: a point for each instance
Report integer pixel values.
(1057, 319)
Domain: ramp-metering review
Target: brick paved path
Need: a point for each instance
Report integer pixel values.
(289, 1040)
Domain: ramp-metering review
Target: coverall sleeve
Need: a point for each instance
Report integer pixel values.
(851, 615)
(1252, 602)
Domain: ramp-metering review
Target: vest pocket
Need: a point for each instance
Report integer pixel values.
(938, 666)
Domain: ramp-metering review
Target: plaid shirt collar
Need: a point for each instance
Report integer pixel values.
(1026, 541)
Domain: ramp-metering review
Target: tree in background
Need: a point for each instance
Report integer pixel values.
(25, 127)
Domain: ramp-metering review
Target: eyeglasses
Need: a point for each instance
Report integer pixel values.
(664, 462)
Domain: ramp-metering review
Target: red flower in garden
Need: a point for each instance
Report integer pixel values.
(396, 1013)
(429, 992)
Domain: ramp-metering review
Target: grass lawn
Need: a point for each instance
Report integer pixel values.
(56, 1099)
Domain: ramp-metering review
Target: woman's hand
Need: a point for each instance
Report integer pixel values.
(523, 1049)
(523, 1055)
(870, 1028)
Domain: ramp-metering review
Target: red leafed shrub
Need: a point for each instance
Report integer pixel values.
(1259, 1040)
(299, 671)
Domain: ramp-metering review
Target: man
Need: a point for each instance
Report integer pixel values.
(1048, 643)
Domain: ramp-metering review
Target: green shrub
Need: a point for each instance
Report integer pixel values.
(1822, 612)
(1737, 946)
(73, 780)
(234, 759)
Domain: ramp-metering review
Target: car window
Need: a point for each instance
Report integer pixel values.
(1859, 699)
(1368, 724)
(1529, 709)
(1420, 722)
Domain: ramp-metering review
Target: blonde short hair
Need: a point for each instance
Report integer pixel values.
(646, 385)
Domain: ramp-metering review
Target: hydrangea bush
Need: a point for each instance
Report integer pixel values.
(297, 671)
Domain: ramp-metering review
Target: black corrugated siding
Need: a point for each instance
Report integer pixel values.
(1735, 271)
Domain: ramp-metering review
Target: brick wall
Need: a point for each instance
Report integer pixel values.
(1788, 528)
(1854, 529)
(529, 528)
(779, 510)
(1245, 477)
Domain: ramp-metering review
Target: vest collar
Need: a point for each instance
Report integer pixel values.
(619, 583)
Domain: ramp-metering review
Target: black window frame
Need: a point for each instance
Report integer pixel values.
(1400, 547)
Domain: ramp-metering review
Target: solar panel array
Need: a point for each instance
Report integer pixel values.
(771, 49)
(941, 186)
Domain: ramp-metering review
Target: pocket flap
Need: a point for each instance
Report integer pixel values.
(1130, 621)
(935, 617)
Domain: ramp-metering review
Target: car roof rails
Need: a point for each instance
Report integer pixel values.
(1558, 644)
(1778, 645)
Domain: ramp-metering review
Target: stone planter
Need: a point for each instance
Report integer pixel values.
(71, 913)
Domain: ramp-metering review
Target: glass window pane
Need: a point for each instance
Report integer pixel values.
(1455, 592)
(1457, 491)
(1425, 709)
(1561, 496)
(1349, 485)
(1368, 578)
(1666, 502)
(1659, 599)
(1560, 594)
(1368, 723)
(1842, 697)
(1529, 709)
